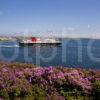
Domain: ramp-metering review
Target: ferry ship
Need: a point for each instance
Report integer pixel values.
(39, 41)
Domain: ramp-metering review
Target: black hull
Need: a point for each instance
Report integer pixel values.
(35, 44)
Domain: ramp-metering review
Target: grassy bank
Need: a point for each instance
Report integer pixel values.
(29, 82)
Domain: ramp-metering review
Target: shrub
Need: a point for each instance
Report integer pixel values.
(28, 82)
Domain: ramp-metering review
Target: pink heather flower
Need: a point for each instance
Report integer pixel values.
(30, 79)
(97, 79)
(67, 74)
(39, 72)
(60, 75)
(75, 72)
(12, 76)
(29, 71)
(19, 73)
(90, 78)
(5, 69)
(53, 76)
(50, 69)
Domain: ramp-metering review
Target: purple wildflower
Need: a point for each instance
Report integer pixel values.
(39, 72)
(5, 69)
(90, 78)
(50, 69)
(12, 76)
(60, 75)
(97, 79)
(30, 79)
(19, 73)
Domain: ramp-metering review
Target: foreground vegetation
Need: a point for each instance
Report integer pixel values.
(29, 82)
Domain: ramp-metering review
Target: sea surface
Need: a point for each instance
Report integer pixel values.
(84, 53)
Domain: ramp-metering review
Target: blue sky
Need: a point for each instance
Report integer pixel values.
(52, 15)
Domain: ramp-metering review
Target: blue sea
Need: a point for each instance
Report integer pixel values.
(84, 53)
